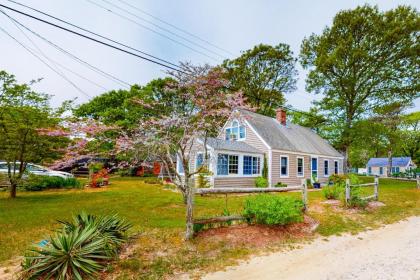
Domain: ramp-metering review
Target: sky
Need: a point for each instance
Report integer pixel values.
(234, 26)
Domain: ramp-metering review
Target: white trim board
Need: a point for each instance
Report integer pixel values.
(305, 154)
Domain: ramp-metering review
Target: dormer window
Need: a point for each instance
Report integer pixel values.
(235, 131)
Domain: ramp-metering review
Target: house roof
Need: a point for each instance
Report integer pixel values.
(237, 146)
(289, 137)
(396, 161)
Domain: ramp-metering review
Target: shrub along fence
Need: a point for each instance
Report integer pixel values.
(375, 195)
(222, 219)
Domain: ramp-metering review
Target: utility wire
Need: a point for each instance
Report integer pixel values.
(152, 30)
(175, 27)
(93, 33)
(92, 39)
(93, 68)
(45, 63)
(164, 29)
(16, 23)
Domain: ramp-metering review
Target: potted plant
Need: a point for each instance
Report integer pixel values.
(315, 183)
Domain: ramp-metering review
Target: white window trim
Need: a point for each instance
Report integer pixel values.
(328, 168)
(204, 160)
(287, 167)
(303, 167)
(252, 156)
(338, 166)
(240, 165)
(239, 130)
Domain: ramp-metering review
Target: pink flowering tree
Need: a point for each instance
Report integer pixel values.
(85, 136)
(201, 105)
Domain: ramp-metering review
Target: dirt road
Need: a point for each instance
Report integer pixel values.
(391, 252)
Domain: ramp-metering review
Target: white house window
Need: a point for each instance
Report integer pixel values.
(335, 167)
(395, 169)
(227, 164)
(233, 164)
(200, 161)
(251, 165)
(326, 167)
(284, 166)
(180, 166)
(300, 167)
(235, 131)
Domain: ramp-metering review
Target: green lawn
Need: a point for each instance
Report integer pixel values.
(159, 215)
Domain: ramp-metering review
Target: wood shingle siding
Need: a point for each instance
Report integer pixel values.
(238, 182)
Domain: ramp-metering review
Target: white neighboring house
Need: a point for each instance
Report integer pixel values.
(379, 166)
(292, 152)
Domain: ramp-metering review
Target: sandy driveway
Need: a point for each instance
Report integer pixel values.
(392, 252)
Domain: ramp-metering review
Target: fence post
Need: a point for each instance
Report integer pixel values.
(376, 188)
(418, 181)
(347, 191)
(305, 195)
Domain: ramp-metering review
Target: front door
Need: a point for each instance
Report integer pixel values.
(314, 168)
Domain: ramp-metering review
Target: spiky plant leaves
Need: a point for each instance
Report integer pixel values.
(80, 250)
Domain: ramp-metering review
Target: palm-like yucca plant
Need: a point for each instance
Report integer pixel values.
(112, 228)
(79, 250)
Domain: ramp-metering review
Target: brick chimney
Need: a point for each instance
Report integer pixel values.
(281, 116)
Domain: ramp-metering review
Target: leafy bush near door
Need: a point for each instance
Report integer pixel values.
(79, 250)
(273, 210)
(261, 182)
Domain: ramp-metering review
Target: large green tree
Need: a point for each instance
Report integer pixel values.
(365, 60)
(25, 119)
(410, 133)
(119, 107)
(264, 74)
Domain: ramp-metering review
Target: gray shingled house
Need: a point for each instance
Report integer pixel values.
(235, 158)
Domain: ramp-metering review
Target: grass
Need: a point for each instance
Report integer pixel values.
(158, 215)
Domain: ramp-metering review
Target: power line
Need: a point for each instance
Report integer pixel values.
(93, 33)
(92, 39)
(152, 30)
(164, 29)
(175, 27)
(16, 23)
(45, 63)
(93, 68)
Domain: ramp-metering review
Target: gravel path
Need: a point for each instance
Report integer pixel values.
(391, 252)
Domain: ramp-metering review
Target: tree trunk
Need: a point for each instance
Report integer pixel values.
(389, 167)
(190, 213)
(13, 187)
(346, 163)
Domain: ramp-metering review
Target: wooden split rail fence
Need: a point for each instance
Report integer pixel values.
(209, 191)
(375, 186)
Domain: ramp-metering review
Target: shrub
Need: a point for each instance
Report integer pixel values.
(79, 250)
(95, 167)
(356, 200)
(153, 181)
(337, 179)
(261, 182)
(309, 184)
(333, 192)
(354, 179)
(280, 185)
(39, 183)
(273, 210)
